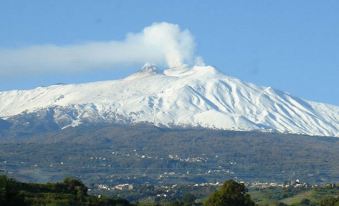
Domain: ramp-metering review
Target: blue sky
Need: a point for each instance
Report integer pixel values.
(290, 45)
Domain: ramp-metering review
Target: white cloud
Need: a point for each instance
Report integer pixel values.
(161, 43)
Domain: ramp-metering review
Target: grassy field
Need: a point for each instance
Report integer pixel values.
(273, 196)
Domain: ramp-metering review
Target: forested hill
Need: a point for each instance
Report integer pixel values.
(140, 153)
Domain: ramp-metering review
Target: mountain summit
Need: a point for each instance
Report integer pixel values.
(177, 97)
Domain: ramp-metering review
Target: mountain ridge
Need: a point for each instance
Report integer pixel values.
(199, 96)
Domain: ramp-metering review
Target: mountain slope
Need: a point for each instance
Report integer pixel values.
(197, 97)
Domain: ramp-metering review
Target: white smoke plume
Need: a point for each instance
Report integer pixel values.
(160, 43)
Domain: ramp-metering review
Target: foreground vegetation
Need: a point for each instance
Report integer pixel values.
(72, 192)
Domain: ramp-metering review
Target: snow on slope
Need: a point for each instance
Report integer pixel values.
(198, 97)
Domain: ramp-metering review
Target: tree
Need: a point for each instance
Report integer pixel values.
(281, 204)
(76, 187)
(330, 201)
(230, 194)
(305, 202)
(10, 194)
(188, 199)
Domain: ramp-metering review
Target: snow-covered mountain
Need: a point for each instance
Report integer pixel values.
(178, 97)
